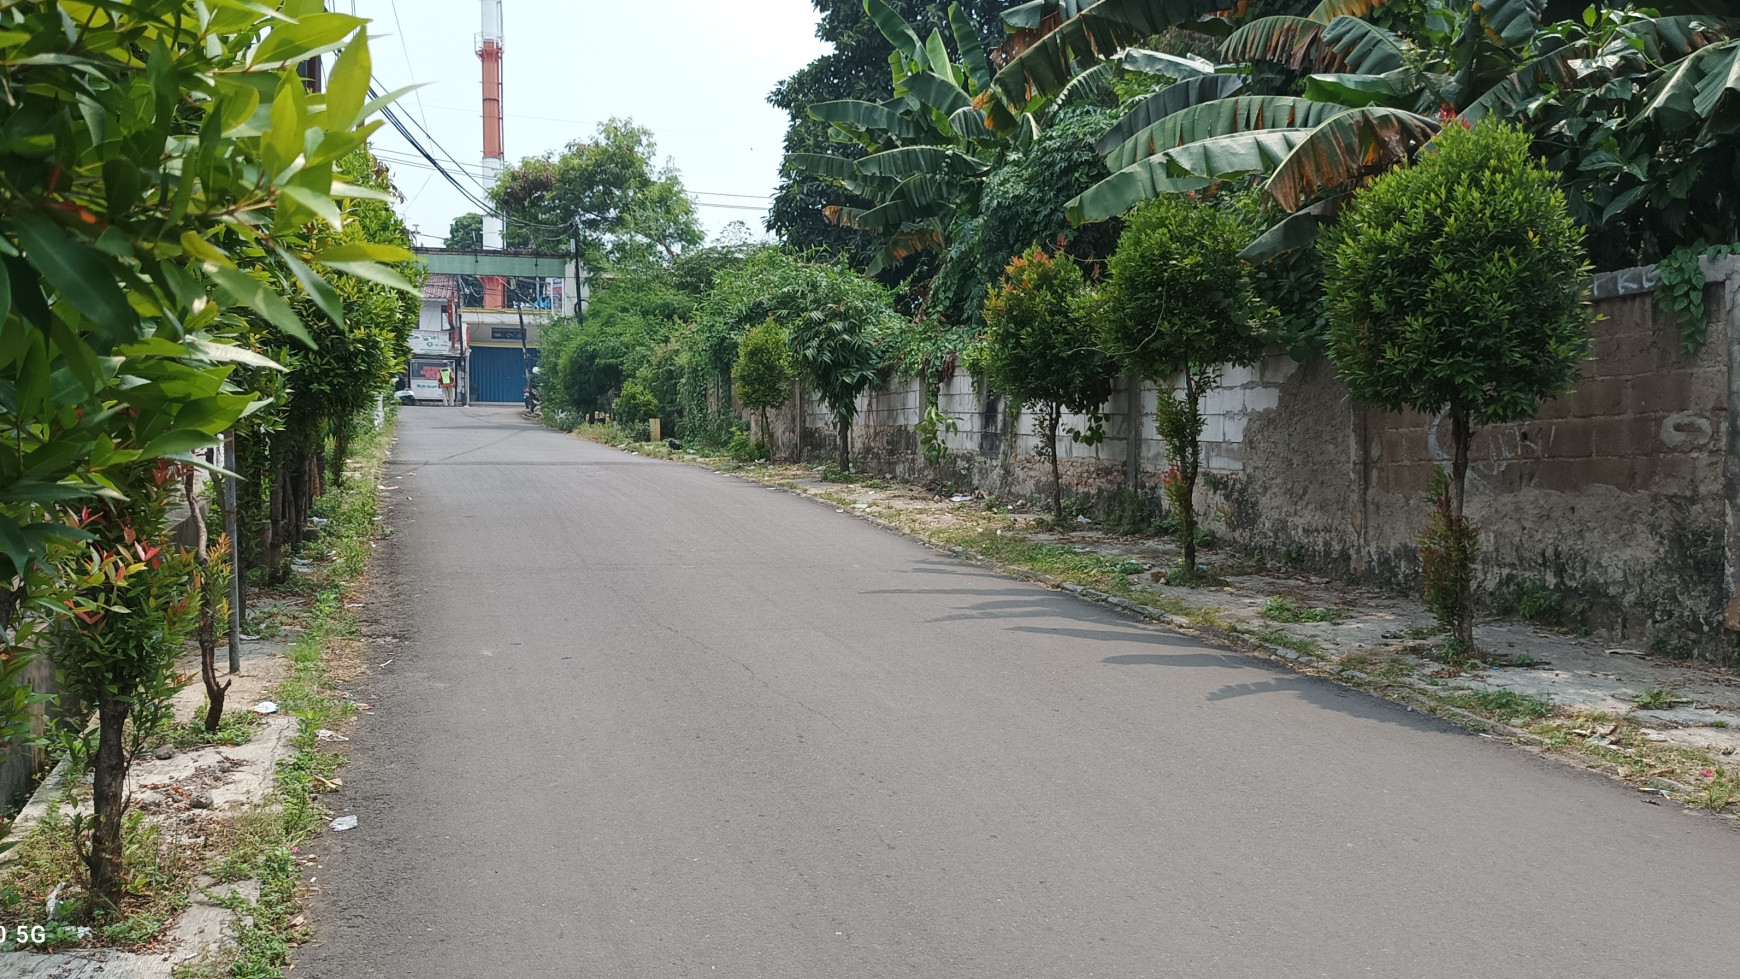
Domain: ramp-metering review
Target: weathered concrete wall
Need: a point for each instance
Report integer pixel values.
(1618, 494)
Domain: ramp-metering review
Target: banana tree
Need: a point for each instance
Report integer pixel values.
(1371, 99)
(923, 151)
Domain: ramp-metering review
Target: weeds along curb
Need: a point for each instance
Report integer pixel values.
(269, 928)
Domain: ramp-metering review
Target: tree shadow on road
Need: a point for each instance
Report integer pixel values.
(1316, 691)
(1012, 601)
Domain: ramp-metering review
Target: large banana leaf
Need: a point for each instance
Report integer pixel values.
(972, 52)
(1183, 168)
(843, 172)
(1696, 89)
(938, 92)
(1348, 148)
(917, 198)
(1172, 98)
(1344, 44)
(936, 54)
(1170, 65)
(1673, 37)
(1365, 48)
(1225, 117)
(1510, 22)
(864, 116)
(969, 123)
(1124, 190)
(1090, 84)
(1293, 41)
(1096, 34)
(1232, 155)
(1398, 89)
(1296, 230)
(1027, 16)
(1328, 10)
(1523, 85)
(909, 161)
(836, 168)
(895, 28)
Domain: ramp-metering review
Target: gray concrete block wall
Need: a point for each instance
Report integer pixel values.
(1620, 494)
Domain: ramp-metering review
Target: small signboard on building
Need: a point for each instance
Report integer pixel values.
(506, 333)
(431, 343)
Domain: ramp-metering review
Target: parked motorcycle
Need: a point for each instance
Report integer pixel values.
(533, 405)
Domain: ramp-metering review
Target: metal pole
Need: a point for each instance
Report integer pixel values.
(230, 528)
(525, 355)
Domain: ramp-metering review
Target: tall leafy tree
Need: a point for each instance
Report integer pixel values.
(608, 192)
(1180, 307)
(465, 231)
(1456, 285)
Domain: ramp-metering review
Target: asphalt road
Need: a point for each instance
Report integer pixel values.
(649, 721)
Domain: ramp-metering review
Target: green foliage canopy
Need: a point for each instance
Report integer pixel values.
(763, 372)
(1040, 347)
(608, 192)
(1180, 299)
(1457, 283)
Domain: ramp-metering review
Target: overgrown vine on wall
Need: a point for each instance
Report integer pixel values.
(1680, 290)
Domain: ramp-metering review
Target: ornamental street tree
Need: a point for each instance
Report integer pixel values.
(1456, 286)
(1043, 352)
(1180, 305)
(832, 315)
(763, 373)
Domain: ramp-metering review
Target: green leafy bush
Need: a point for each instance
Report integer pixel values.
(1041, 349)
(635, 404)
(1529, 598)
(763, 372)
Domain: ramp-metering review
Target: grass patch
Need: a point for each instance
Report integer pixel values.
(1298, 644)
(1498, 704)
(1654, 698)
(237, 726)
(1280, 608)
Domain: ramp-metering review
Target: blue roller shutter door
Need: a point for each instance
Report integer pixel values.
(499, 373)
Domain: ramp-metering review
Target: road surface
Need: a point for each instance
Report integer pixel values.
(644, 720)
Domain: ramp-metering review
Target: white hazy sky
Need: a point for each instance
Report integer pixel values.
(695, 72)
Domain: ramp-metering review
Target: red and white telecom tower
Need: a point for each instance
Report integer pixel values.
(489, 51)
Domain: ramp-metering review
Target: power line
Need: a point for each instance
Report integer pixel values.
(410, 66)
(409, 162)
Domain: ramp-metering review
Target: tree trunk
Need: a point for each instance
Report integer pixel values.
(845, 429)
(767, 433)
(1187, 469)
(274, 543)
(109, 790)
(1054, 414)
(207, 632)
(797, 403)
(340, 453)
(1460, 435)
